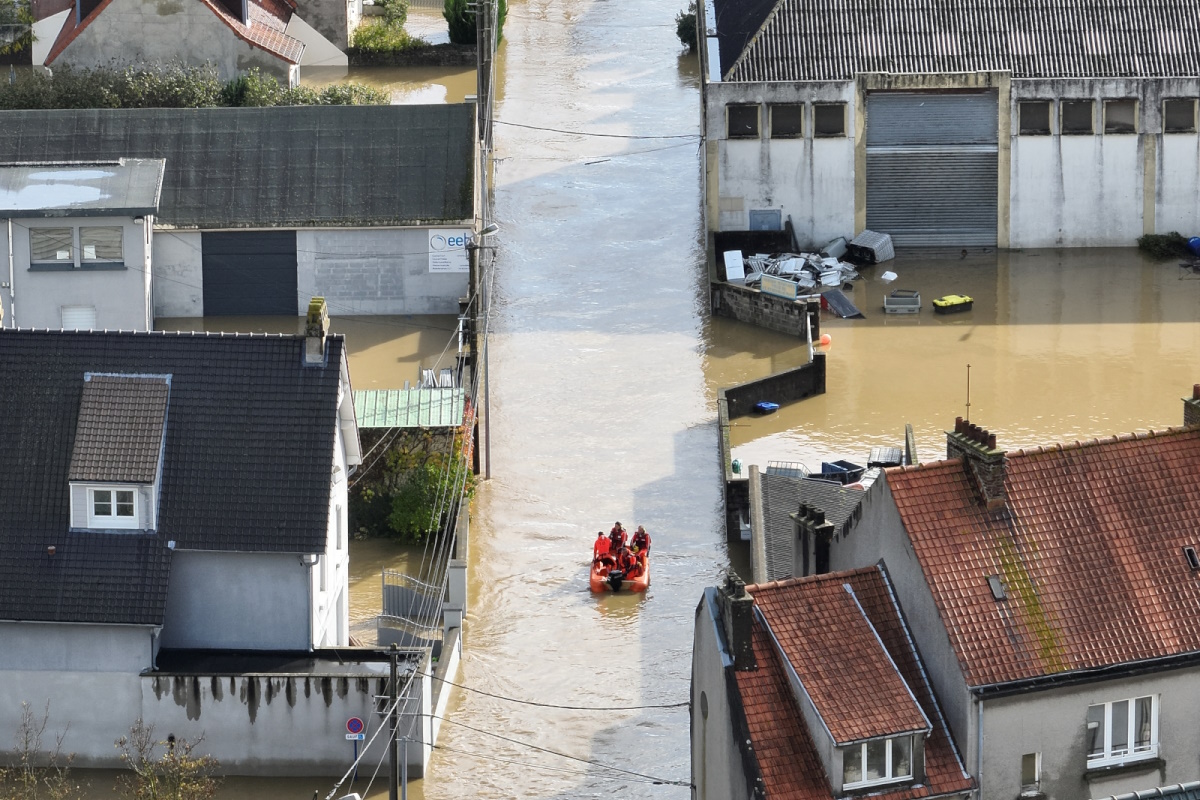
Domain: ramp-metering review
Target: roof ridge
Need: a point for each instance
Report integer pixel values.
(783, 583)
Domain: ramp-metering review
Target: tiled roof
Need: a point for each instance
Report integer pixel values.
(119, 431)
(840, 659)
(782, 497)
(784, 748)
(273, 167)
(247, 463)
(837, 39)
(268, 20)
(1178, 791)
(1090, 554)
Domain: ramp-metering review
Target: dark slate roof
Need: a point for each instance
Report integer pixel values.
(837, 39)
(736, 22)
(119, 432)
(128, 187)
(352, 166)
(247, 463)
(782, 497)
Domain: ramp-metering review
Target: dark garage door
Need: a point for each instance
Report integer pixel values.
(249, 273)
(932, 168)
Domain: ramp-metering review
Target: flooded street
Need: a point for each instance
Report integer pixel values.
(604, 374)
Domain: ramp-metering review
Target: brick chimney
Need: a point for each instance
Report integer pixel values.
(316, 328)
(983, 463)
(1191, 408)
(737, 614)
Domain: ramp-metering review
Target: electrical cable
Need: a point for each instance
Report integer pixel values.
(590, 761)
(554, 705)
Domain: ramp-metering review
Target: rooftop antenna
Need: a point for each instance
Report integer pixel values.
(968, 393)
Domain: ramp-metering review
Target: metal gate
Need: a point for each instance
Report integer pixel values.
(932, 168)
(251, 272)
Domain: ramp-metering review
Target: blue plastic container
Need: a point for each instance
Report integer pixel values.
(1193, 245)
(766, 407)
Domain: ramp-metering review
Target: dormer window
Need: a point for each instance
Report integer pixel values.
(116, 463)
(112, 508)
(877, 761)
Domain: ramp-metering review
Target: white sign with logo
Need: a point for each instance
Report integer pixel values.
(448, 250)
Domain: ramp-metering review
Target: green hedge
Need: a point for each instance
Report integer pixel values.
(173, 86)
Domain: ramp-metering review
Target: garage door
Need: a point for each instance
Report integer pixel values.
(931, 168)
(249, 273)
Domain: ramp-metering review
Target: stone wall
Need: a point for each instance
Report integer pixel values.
(766, 311)
(782, 387)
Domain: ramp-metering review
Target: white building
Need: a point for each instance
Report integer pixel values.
(78, 241)
(1013, 125)
(369, 207)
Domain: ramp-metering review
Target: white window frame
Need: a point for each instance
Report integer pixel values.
(112, 521)
(1108, 756)
(847, 752)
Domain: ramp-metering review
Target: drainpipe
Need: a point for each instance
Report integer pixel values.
(12, 294)
(979, 753)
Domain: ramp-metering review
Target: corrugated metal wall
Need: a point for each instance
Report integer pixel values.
(932, 168)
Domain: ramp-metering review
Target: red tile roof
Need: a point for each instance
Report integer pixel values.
(268, 21)
(840, 660)
(1090, 553)
(786, 756)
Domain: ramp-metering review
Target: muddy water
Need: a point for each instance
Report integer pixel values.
(1062, 346)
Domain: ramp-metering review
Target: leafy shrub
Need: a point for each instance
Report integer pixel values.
(16, 26)
(461, 20)
(379, 37)
(177, 774)
(1163, 245)
(685, 27)
(169, 86)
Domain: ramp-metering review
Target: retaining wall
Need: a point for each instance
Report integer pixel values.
(766, 311)
(782, 387)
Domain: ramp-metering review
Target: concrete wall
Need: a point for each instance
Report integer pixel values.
(718, 771)
(765, 310)
(76, 648)
(333, 19)
(256, 601)
(120, 295)
(276, 724)
(1053, 722)
(810, 179)
(782, 387)
(318, 50)
(178, 274)
(164, 31)
(880, 535)
(374, 271)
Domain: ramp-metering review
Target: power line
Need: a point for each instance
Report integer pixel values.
(553, 705)
(598, 135)
(592, 762)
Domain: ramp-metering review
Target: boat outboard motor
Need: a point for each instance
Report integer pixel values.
(615, 577)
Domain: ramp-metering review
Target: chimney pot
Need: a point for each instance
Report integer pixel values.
(958, 424)
(1196, 392)
(991, 442)
(51, 550)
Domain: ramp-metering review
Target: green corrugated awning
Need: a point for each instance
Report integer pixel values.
(409, 408)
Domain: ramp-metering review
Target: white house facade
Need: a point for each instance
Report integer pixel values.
(972, 126)
(78, 243)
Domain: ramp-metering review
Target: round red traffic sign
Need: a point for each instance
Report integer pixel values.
(354, 725)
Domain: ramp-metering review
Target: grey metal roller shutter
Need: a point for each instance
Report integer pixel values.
(932, 168)
(251, 272)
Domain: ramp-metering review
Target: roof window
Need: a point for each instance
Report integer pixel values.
(1193, 560)
(997, 587)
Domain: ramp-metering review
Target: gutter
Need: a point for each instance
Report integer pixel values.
(1075, 677)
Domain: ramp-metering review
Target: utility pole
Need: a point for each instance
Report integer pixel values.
(393, 699)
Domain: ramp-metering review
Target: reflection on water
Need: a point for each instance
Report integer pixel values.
(384, 351)
(1062, 345)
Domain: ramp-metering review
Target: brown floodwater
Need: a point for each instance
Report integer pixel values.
(605, 368)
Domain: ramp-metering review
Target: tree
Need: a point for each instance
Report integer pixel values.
(26, 781)
(685, 27)
(177, 774)
(461, 19)
(16, 26)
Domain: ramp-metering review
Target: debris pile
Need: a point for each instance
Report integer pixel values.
(807, 270)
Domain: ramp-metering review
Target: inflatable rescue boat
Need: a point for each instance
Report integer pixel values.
(604, 579)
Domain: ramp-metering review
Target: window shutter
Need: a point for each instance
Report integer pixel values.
(78, 318)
